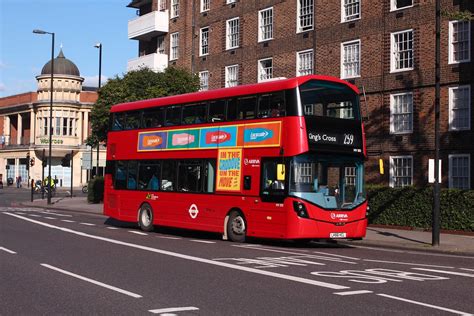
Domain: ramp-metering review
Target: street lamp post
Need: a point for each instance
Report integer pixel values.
(50, 110)
(99, 46)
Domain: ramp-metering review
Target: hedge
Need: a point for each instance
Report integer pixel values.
(412, 207)
(95, 189)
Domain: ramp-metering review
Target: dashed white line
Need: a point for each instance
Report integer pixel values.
(276, 275)
(353, 292)
(21, 213)
(138, 233)
(167, 237)
(8, 250)
(173, 309)
(424, 304)
(111, 227)
(49, 217)
(203, 241)
(466, 269)
(87, 224)
(446, 272)
(110, 287)
(34, 215)
(67, 221)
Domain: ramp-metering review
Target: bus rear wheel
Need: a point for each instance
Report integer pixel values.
(236, 227)
(145, 218)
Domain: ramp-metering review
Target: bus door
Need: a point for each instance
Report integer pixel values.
(268, 215)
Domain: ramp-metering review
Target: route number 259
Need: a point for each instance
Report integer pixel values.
(348, 139)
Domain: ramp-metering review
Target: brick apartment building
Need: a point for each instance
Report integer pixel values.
(387, 48)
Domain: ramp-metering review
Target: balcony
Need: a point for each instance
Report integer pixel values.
(156, 62)
(149, 25)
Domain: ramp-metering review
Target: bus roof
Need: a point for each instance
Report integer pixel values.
(270, 86)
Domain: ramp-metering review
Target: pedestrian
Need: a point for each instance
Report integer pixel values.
(18, 182)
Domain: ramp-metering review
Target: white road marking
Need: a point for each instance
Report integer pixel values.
(8, 250)
(466, 269)
(409, 263)
(67, 221)
(447, 272)
(414, 252)
(331, 254)
(21, 213)
(87, 224)
(353, 292)
(190, 258)
(53, 213)
(111, 227)
(173, 309)
(34, 215)
(110, 287)
(424, 304)
(306, 255)
(49, 217)
(167, 237)
(138, 233)
(203, 241)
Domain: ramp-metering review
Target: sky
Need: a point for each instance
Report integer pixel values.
(78, 25)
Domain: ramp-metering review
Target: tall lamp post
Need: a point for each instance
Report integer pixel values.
(50, 110)
(99, 46)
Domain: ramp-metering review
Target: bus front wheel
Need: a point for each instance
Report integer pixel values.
(236, 227)
(145, 218)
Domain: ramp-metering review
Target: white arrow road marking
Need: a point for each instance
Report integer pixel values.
(173, 309)
(424, 304)
(110, 287)
(8, 250)
(190, 258)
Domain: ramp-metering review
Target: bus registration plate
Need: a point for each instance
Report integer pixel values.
(337, 235)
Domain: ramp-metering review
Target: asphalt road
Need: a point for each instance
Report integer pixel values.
(73, 263)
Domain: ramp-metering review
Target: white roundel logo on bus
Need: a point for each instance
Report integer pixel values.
(340, 216)
(193, 211)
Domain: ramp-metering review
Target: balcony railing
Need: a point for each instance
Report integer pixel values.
(156, 62)
(146, 26)
(8, 142)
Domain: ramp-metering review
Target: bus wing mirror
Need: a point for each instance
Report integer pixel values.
(280, 172)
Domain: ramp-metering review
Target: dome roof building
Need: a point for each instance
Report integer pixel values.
(62, 66)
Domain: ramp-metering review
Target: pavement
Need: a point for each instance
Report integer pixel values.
(386, 237)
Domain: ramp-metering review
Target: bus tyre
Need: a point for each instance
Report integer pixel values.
(145, 218)
(236, 227)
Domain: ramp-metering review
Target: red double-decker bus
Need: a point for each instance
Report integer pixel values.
(282, 159)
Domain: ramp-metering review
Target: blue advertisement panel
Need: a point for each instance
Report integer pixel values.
(152, 141)
(218, 137)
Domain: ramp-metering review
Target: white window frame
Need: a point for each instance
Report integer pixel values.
(394, 51)
(161, 5)
(230, 36)
(174, 46)
(160, 44)
(349, 18)
(356, 62)
(204, 49)
(304, 71)
(468, 156)
(262, 37)
(452, 108)
(205, 5)
(451, 44)
(393, 5)
(204, 80)
(174, 9)
(229, 82)
(299, 27)
(392, 170)
(265, 73)
(392, 113)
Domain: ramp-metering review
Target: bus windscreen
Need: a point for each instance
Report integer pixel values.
(329, 99)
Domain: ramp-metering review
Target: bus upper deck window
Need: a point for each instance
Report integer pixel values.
(271, 105)
(132, 120)
(173, 116)
(153, 118)
(118, 120)
(194, 114)
(217, 111)
(247, 107)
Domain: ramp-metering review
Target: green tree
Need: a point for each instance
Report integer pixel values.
(137, 85)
